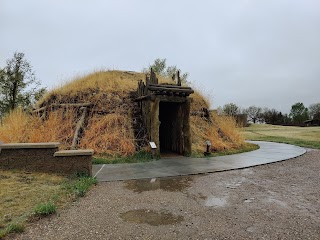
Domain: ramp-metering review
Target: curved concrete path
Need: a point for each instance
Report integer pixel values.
(269, 152)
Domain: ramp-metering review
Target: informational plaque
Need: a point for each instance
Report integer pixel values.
(153, 145)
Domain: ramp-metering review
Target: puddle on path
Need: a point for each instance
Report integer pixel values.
(174, 184)
(150, 217)
(215, 202)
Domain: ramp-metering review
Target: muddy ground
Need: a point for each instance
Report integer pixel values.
(274, 201)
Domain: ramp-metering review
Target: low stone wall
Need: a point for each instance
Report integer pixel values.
(45, 157)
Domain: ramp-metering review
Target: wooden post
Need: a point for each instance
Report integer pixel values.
(186, 129)
(155, 123)
(153, 77)
(179, 79)
(78, 128)
(173, 77)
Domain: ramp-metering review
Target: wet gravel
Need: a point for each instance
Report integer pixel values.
(274, 201)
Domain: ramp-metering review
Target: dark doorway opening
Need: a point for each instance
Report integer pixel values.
(170, 130)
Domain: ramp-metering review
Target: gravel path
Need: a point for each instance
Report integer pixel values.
(275, 201)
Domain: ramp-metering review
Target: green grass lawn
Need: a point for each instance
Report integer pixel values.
(300, 136)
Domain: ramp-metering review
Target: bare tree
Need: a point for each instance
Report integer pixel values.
(314, 111)
(253, 113)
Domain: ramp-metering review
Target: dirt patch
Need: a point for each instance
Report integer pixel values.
(151, 217)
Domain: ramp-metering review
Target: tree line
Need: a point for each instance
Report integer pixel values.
(297, 116)
(19, 86)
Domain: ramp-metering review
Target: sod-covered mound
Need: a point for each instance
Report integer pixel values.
(112, 124)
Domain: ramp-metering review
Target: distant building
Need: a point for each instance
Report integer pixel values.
(313, 122)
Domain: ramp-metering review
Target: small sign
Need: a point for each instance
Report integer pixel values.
(153, 145)
(208, 143)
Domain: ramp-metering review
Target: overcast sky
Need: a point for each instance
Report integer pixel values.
(258, 52)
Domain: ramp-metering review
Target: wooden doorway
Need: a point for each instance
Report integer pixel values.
(170, 129)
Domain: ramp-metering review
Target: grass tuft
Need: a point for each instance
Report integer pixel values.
(12, 228)
(45, 209)
(83, 184)
(80, 185)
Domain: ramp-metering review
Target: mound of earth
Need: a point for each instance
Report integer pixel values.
(100, 108)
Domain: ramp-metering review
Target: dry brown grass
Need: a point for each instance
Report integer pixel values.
(13, 127)
(98, 82)
(19, 126)
(95, 85)
(110, 133)
(228, 138)
(222, 132)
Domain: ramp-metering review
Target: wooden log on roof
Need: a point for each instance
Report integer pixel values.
(71, 104)
(176, 99)
(160, 89)
(168, 86)
(54, 105)
(143, 97)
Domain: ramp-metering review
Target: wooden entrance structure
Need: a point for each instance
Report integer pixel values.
(165, 111)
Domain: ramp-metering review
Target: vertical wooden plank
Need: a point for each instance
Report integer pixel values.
(155, 123)
(186, 129)
(179, 79)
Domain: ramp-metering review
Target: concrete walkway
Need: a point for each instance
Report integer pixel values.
(269, 152)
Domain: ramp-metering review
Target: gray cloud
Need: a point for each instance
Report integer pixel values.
(248, 52)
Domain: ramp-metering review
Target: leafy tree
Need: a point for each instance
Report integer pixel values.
(253, 113)
(272, 116)
(160, 67)
(231, 109)
(286, 119)
(314, 111)
(18, 84)
(299, 113)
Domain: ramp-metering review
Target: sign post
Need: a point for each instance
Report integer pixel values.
(153, 147)
(207, 152)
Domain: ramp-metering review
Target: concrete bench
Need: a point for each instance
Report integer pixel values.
(29, 145)
(71, 153)
(45, 157)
